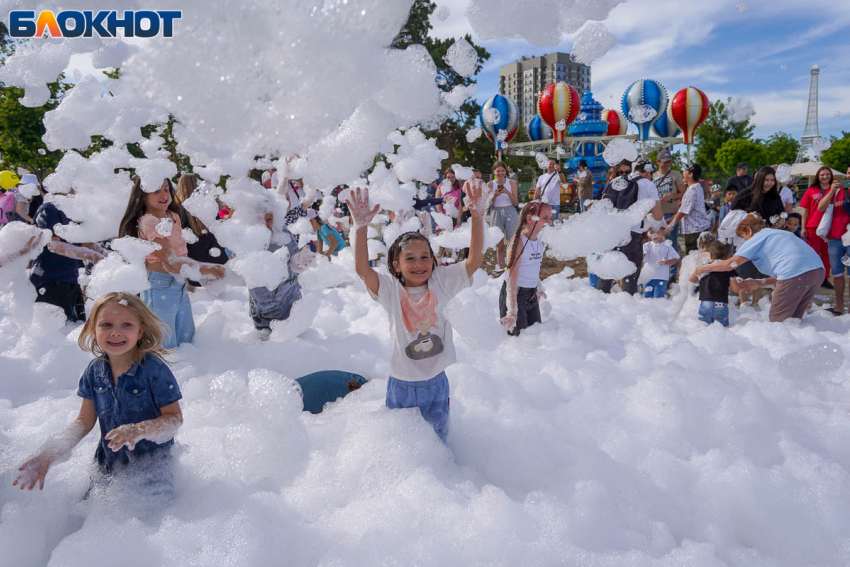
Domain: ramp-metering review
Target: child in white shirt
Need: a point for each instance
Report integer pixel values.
(658, 256)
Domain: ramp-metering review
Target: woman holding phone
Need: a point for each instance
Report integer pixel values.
(838, 196)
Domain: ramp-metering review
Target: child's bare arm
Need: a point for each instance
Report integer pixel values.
(76, 252)
(362, 214)
(56, 448)
(736, 287)
(479, 197)
(158, 430)
(693, 278)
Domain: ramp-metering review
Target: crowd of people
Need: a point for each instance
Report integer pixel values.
(749, 241)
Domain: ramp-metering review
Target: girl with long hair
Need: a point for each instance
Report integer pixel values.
(762, 197)
(505, 199)
(519, 305)
(156, 217)
(812, 216)
(839, 197)
(452, 196)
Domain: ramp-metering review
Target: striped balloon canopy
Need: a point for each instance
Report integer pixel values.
(507, 122)
(688, 109)
(645, 92)
(558, 102)
(617, 125)
(665, 127)
(538, 130)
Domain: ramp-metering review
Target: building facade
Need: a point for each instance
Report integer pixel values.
(525, 79)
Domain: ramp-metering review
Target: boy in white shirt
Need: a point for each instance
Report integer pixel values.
(658, 256)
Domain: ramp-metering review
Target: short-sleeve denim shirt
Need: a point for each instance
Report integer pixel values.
(136, 396)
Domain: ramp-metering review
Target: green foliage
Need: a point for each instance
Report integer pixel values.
(732, 152)
(838, 155)
(451, 135)
(781, 148)
(22, 127)
(717, 129)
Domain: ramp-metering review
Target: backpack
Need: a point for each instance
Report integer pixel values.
(7, 207)
(622, 199)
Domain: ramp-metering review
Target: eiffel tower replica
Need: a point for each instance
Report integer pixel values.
(807, 148)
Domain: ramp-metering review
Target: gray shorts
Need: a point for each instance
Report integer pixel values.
(506, 218)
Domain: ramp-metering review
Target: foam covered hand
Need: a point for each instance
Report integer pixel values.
(124, 435)
(509, 321)
(478, 197)
(361, 213)
(32, 473)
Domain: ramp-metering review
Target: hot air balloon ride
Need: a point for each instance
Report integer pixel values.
(538, 130)
(617, 124)
(499, 118)
(643, 103)
(688, 110)
(558, 106)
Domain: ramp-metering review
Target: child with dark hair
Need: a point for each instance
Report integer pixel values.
(414, 294)
(155, 216)
(793, 223)
(714, 288)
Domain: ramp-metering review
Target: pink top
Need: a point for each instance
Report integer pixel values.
(147, 231)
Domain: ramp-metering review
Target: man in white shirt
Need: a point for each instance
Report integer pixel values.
(643, 170)
(692, 212)
(549, 187)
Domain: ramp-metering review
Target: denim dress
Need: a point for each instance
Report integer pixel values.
(136, 396)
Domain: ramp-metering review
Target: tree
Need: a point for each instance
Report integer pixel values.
(781, 148)
(451, 135)
(838, 155)
(733, 152)
(717, 129)
(22, 127)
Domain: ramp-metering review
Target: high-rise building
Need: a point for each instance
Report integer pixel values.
(524, 80)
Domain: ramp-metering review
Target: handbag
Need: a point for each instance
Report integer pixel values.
(825, 223)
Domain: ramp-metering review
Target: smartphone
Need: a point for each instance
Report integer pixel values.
(845, 183)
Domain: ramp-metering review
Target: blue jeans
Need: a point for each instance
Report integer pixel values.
(655, 288)
(169, 300)
(673, 237)
(556, 209)
(709, 312)
(430, 396)
(582, 203)
(837, 250)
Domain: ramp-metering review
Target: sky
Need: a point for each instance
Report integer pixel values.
(761, 55)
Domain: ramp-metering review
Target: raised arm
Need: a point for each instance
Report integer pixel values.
(478, 198)
(829, 197)
(362, 214)
(56, 448)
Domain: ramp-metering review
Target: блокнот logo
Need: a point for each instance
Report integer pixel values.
(87, 23)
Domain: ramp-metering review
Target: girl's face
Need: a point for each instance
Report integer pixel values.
(500, 172)
(269, 220)
(315, 223)
(769, 182)
(825, 177)
(792, 224)
(118, 330)
(545, 216)
(159, 199)
(451, 176)
(414, 263)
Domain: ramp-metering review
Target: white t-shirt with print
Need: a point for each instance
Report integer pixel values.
(552, 193)
(653, 252)
(426, 350)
